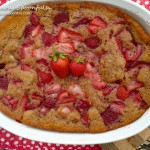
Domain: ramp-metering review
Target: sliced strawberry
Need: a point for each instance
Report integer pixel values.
(44, 65)
(67, 36)
(128, 55)
(32, 105)
(98, 21)
(65, 48)
(138, 98)
(25, 102)
(52, 88)
(62, 95)
(44, 77)
(48, 103)
(37, 97)
(34, 19)
(93, 29)
(43, 62)
(61, 18)
(138, 53)
(117, 106)
(76, 91)
(43, 111)
(25, 67)
(83, 105)
(17, 83)
(25, 52)
(28, 30)
(99, 85)
(85, 119)
(28, 43)
(92, 42)
(109, 116)
(37, 30)
(81, 22)
(122, 93)
(5, 100)
(14, 103)
(108, 89)
(65, 100)
(134, 85)
(48, 39)
(119, 45)
(4, 83)
(39, 53)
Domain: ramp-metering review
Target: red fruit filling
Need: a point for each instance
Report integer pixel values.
(3, 83)
(122, 93)
(92, 42)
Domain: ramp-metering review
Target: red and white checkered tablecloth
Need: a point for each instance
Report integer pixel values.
(14, 142)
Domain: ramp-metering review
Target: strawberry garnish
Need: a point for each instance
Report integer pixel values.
(44, 77)
(37, 97)
(77, 67)
(34, 19)
(37, 30)
(134, 85)
(62, 95)
(61, 18)
(99, 85)
(108, 90)
(4, 83)
(122, 93)
(98, 21)
(28, 30)
(117, 106)
(39, 53)
(48, 103)
(65, 100)
(48, 39)
(28, 43)
(65, 48)
(92, 42)
(10, 102)
(92, 29)
(81, 22)
(68, 36)
(109, 116)
(52, 88)
(60, 65)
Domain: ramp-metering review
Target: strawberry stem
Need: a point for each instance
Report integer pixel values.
(58, 55)
(79, 60)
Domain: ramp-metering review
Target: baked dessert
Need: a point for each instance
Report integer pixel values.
(74, 68)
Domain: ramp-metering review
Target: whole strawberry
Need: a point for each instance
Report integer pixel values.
(60, 65)
(77, 67)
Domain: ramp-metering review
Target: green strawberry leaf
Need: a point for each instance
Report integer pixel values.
(55, 58)
(79, 60)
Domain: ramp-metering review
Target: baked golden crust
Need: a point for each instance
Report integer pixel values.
(12, 33)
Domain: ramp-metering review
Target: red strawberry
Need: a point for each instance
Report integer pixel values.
(134, 85)
(52, 88)
(44, 77)
(25, 102)
(4, 83)
(117, 106)
(97, 21)
(48, 39)
(60, 65)
(32, 105)
(77, 67)
(92, 42)
(108, 90)
(67, 36)
(28, 43)
(138, 53)
(17, 83)
(37, 97)
(81, 21)
(37, 30)
(61, 18)
(92, 29)
(34, 19)
(99, 85)
(119, 45)
(43, 65)
(25, 52)
(65, 100)
(48, 103)
(39, 53)
(65, 48)
(28, 30)
(25, 67)
(128, 55)
(62, 95)
(109, 116)
(85, 119)
(122, 93)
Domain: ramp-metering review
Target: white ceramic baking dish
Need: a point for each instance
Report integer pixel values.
(143, 17)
